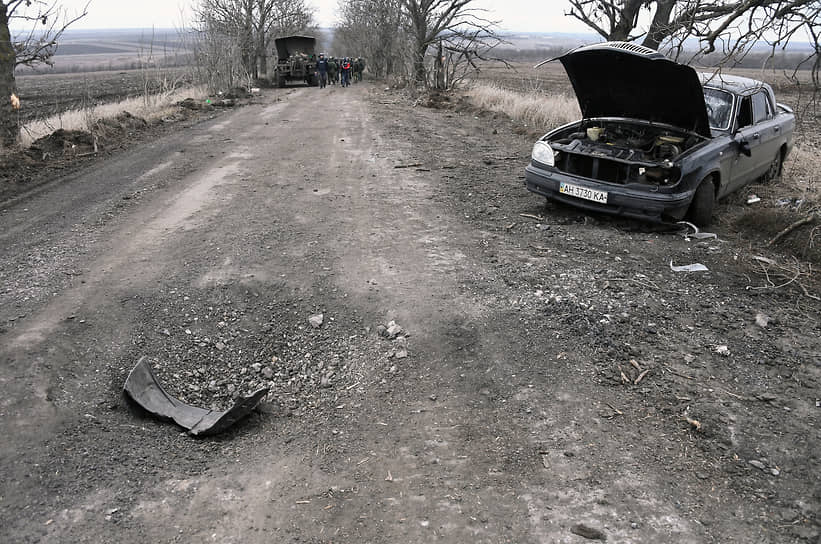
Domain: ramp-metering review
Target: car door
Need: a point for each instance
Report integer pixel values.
(766, 133)
(743, 168)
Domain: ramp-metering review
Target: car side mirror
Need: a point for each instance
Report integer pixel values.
(743, 146)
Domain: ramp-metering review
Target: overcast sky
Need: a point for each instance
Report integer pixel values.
(519, 15)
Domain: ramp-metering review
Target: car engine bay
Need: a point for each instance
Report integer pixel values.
(621, 152)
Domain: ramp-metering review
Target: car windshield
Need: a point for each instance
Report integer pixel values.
(719, 107)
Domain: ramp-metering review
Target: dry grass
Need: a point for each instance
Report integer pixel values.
(802, 174)
(541, 112)
(149, 107)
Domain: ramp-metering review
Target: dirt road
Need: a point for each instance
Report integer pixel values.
(561, 383)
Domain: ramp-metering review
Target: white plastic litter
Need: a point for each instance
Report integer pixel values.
(695, 267)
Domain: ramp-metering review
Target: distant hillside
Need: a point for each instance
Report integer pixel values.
(551, 40)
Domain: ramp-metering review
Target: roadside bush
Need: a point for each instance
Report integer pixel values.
(149, 108)
(540, 112)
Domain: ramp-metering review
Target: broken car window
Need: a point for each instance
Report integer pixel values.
(761, 107)
(719, 107)
(745, 112)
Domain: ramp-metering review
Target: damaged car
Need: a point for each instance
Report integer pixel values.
(657, 140)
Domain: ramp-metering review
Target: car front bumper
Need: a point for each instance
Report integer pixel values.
(624, 201)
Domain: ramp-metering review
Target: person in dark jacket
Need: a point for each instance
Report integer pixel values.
(346, 71)
(322, 70)
(333, 70)
(358, 68)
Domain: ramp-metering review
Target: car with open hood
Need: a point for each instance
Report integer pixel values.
(657, 140)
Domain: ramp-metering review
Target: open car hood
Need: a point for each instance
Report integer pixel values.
(619, 79)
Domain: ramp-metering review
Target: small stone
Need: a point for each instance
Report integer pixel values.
(723, 350)
(585, 531)
(166, 332)
(775, 471)
(382, 330)
(762, 320)
(256, 367)
(401, 353)
(757, 464)
(325, 382)
(393, 330)
(267, 373)
(220, 346)
(316, 320)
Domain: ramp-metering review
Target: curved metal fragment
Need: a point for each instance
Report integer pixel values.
(143, 387)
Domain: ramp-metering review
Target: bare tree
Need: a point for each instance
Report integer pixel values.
(45, 22)
(372, 29)
(397, 36)
(454, 20)
(250, 26)
(729, 26)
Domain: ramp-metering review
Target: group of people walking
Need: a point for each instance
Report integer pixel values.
(338, 71)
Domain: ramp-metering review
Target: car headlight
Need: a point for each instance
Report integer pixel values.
(543, 153)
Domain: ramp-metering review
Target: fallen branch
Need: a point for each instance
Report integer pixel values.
(624, 378)
(789, 229)
(648, 284)
(641, 376)
(531, 216)
(680, 375)
(739, 397)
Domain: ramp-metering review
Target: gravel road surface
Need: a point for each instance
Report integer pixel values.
(553, 381)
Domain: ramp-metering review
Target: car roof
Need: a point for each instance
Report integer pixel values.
(734, 84)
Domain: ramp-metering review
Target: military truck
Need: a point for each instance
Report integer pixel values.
(296, 60)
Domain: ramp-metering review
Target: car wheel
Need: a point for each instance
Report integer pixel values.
(701, 207)
(280, 82)
(774, 171)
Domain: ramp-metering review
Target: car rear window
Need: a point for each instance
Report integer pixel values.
(719, 107)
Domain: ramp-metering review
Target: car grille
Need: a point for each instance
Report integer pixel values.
(597, 168)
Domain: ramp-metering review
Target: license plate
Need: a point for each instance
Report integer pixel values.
(583, 192)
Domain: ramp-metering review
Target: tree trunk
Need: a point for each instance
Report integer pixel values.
(439, 68)
(8, 121)
(420, 74)
(627, 21)
(660, 28)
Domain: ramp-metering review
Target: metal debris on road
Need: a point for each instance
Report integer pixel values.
(143, 387)
(696, 234)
